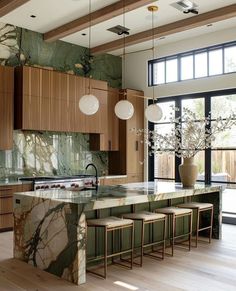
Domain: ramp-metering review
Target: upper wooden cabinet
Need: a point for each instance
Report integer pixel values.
(48, 100)
(129, 160)
(108, 141)
(6, 107)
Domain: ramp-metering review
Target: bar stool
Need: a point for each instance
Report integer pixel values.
(173, 214)
(200, 208)
(148, 218)
(110, 224)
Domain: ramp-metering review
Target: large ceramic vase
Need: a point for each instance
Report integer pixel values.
(188, 172)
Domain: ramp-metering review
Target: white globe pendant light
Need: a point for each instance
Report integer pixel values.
(89, 104)
(153, 113)
(124, 109)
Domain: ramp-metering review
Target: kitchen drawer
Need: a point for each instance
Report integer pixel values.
(135, 178)
(6, 205)
(113, 181)
(5, 192)
(6, 221)
(27, 187)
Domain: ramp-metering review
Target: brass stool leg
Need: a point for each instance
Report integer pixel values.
(132, 246)
(173, 234)
(142, 243)
(113, 239)
(105, 252)
(164, 238)
(210, 235)
(190, 230)
(197, 226)
(121, 242)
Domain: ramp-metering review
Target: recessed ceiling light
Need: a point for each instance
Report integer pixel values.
(162, 37)
(33, 16)
(210, 24)
(84, 34)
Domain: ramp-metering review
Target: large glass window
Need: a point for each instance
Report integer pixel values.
(186, 67)
(164, 164)
(171, 70)
(216, 164)
(200, 65)
(215, 62)
(159, 72)
(230, 59)
(210, 61)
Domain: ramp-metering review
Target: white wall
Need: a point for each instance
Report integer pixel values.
(136, 75)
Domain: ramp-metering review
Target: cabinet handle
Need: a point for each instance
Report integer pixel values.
(109, 145)
(136, 145)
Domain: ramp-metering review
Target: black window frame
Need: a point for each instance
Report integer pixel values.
(207, 96)
(151, 63)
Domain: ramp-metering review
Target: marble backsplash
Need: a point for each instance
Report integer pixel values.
(50, 153)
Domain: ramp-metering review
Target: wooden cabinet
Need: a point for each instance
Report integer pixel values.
(109, 140)
(6, 204)
(108, 181)
(6, 107)
(28, 103)
(49, 100)
(129, 160)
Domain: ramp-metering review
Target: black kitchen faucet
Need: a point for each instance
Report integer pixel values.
(96, 171)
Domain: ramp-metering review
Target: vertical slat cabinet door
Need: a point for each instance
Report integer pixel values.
(97, 123)
(31, 97)
(45, 100)
(55, 108)
(6, 121)
(139, 139)
(24, 76)
(113, 121)
(64, 103)
(132, 150)
(6, 108)
(80, 91)
(72, 102)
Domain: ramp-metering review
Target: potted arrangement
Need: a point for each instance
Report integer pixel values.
(188, 136)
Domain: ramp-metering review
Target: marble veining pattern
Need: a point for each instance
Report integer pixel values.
(50, 226)
(50, 235)
(50, 153)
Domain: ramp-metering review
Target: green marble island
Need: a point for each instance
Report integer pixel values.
(50, 226)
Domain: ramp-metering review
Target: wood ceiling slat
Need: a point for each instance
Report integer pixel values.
(97, 17)
(174, 27)
(6, 6)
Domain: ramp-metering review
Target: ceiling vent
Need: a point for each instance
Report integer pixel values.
(118, 29)
(186, 6)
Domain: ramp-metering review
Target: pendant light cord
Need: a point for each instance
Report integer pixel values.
(153, 52)
(89, 44)
(124, 43)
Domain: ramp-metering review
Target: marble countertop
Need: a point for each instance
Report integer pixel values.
(126, 194)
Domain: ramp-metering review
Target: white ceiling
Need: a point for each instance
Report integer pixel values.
(53, 13)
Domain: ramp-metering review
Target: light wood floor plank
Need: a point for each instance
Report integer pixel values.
(207, 268)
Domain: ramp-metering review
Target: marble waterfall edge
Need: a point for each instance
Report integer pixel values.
(50, 235)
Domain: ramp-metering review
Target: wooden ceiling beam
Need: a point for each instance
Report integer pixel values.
(6, 6)
(171, 28)
(97, 17)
